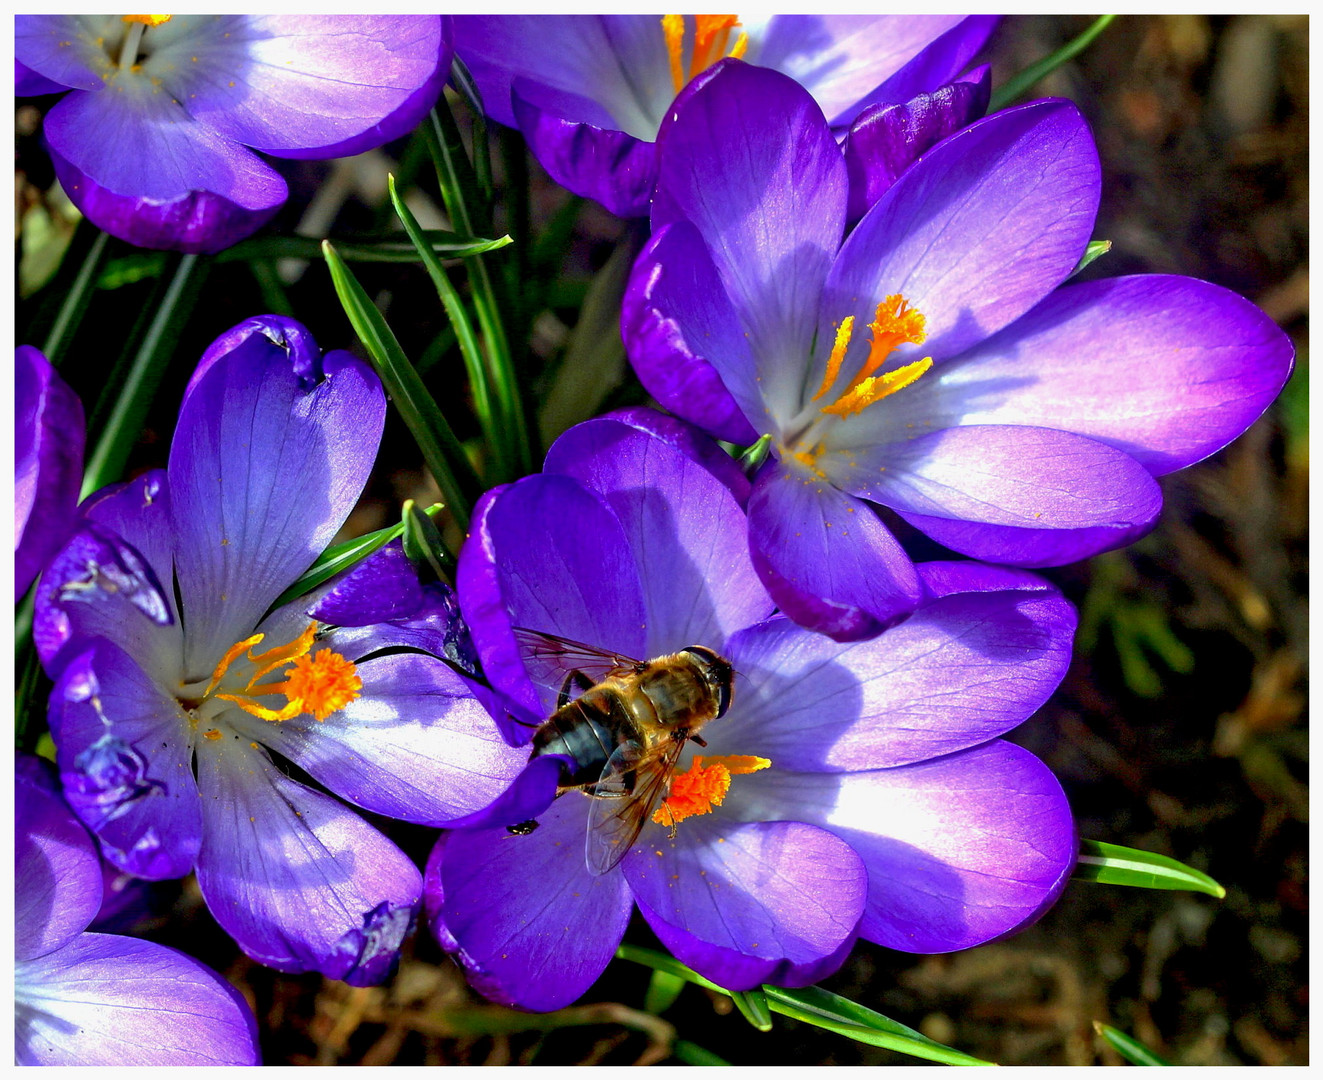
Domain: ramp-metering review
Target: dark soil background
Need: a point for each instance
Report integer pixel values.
(1180, 728)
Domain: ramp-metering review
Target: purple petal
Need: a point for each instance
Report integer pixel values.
(749, 160)
(885, 140)
(745, 904)
(683, 337)
(125, 762)
(961, 670)
(264, 468)
(547, 555)
(48, 464)
(1049, 496)
(941, 62)
(297, 342)
(527, 798)
(944, 578)
(435, 626)
(612, 167)
(608, 70)
(57, 874)
(299, 880)
(684, 524)
(973, 235)
(140, 169)
(102, 586)
(843, 60)
(63, 48)
(959, 850)
(414, 745)
(383, 586)
(27, 83)
(109, 1000)
(825, 558)
(522, 915)
(1168, 369)
(313, 86)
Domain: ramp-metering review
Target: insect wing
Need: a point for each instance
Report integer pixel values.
(634, 781)
(550, 659)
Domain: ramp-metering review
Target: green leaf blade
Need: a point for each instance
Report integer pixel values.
(1112, 864)
(1132, 1050)
(821, 1008)
(441, 450)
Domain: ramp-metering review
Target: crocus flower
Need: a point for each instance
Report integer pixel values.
(589, 92)
(175, 709)
(867, 791)
(48, 463)
(155, 142)
(928, 361)
(101, 999)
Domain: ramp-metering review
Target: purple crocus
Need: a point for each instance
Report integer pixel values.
(101, 999)
(589, 92)
(182, 691)
(928, 361)
(48, 463)
(155, 143)
(867, 791)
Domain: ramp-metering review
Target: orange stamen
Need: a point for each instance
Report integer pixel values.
(894, 323)
(704, 786)
(711, 38)
(319, 686)
(147, 20)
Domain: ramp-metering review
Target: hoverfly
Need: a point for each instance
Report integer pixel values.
(625, 730)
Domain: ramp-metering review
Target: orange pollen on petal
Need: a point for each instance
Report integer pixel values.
(894, 323)
(318, 685)
(704, 786)
(711, 43)
(147, 20)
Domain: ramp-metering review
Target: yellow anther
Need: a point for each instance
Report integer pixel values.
(837, 356)
(147, 20)
(873, 389)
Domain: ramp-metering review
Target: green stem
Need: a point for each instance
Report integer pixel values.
(108, 457)
(1024, 81)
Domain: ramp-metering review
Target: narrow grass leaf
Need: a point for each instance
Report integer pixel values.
(1112, 864)
(688, 1053)
(1096, 249)
(340, 557)
(465, 336)
(663, 989)
(389, 249)
(753, 1007)
(441, 451)
(1022, 83)
(821, 1008)
(423, 544)
(134, 393)
(1132, 1050)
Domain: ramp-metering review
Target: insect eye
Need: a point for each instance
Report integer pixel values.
(718, 672)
